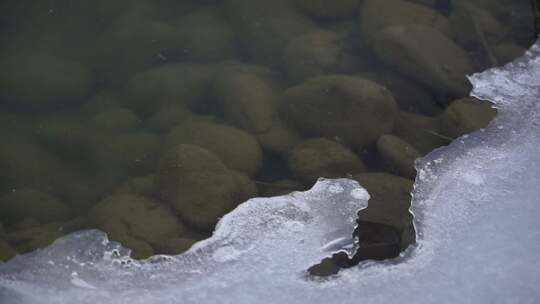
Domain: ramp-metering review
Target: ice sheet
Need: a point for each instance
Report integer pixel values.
(476, 205)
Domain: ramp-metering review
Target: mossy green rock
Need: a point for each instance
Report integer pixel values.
(248, 100)
(136, 220)
(422, 132)
(465, 116)
(354, 110)
(398, 154)
(315, 158)
(236, 148)
(197, 185)
(279, 139)
(427, 55)
(32, 238)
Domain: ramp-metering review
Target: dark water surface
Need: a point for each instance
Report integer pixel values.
(152, 119)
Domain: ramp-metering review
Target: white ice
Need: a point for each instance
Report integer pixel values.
(476, 205)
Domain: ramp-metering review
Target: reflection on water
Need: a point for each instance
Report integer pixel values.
(152, 119)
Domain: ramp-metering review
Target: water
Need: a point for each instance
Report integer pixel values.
(264, 98)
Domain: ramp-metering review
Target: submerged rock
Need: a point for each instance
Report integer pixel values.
(466, 115)
(328, 9)
(399, 154)
(136, 221)
(237, 149)
(422, 132)
(410, 95)
(321, 157)
(29, 203)
(279, 187)
(471, 24)
(265, 27)
(143, 186)
(206, 36)
(279, 139)
(199, 187)
(31, 238)
(6, 251)
(354, 110)
(376, 16)
(184, 83)
(389, 203)
(248, 100)
(425, 54)
(35, 81)
(312, 54)
(115, 120)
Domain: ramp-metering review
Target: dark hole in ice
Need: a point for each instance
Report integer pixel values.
(376, 242)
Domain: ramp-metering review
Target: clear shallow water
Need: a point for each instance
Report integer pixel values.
(94, 98)
(483, 184)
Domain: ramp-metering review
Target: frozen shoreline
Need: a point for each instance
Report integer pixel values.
(475, 204)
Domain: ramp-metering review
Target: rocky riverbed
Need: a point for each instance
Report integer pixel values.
(152, 119)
